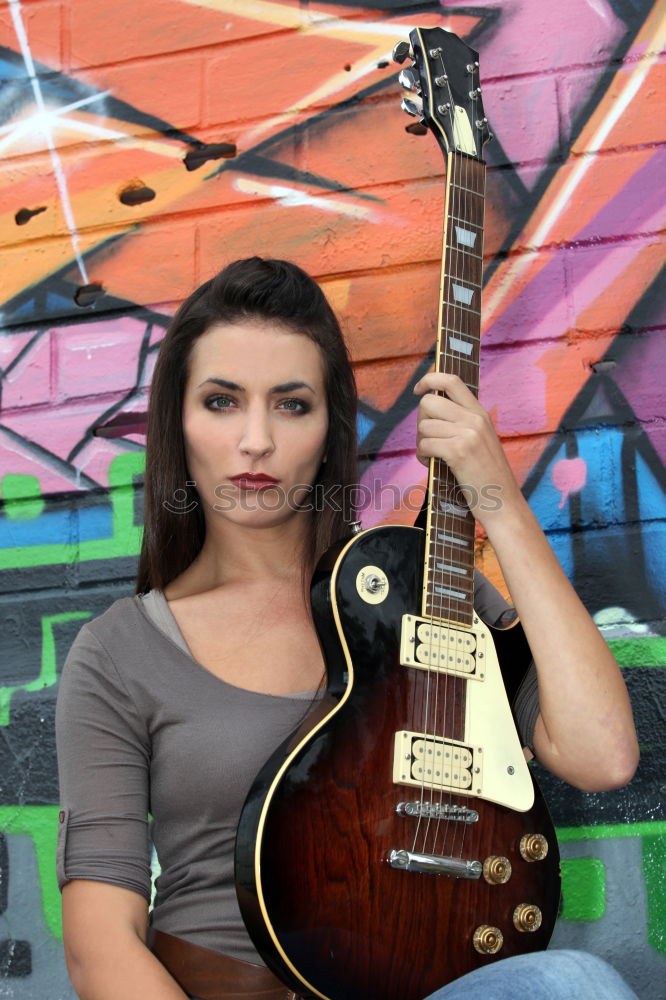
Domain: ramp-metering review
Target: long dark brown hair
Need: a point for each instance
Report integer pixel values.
(276, 291)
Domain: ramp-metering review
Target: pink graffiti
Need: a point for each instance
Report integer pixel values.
(569, 475)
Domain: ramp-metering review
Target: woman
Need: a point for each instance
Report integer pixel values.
(171, 701)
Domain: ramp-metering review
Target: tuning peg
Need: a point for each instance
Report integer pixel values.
(408, 79)
(413, 108)
(416, 128)
(400, 52)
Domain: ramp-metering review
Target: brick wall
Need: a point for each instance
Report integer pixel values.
(144, 146)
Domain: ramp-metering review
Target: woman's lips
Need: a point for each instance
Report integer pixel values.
(247, 481)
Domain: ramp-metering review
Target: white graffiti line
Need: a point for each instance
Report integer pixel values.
(44, 121)
(299, 199)
(56, 112)
(61, 180)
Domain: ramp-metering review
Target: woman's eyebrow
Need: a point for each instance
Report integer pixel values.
(234, 387)
(224, 383)
(291, 386)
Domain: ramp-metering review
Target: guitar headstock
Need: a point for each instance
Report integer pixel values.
(444, 90)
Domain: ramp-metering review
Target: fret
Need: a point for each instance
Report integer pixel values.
(459, 333)
(457, 305)
(446, 551)
(460, 277)
(450, 331)
(465, 361)
(460, 187)
(467, 222)
(462, 250)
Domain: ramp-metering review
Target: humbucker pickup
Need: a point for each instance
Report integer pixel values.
(432, 645)
(426, 761)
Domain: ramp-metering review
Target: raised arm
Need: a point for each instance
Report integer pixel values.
(585, 732)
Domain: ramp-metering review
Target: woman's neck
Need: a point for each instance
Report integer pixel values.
(233, 555)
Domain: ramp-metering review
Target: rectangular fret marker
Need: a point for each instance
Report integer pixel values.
(448, 568)
(465, 237)
(450, 593)
(452, 508)
(460, 346)
(462, 294)
(451, 539)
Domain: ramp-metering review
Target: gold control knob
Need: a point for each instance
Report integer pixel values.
(488, 940)
(533, 846)
(496, 870)
(527, 917)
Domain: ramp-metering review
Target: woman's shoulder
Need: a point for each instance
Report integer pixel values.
(121, 626)
(123, 612)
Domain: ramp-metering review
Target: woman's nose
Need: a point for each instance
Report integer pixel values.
(257, 439)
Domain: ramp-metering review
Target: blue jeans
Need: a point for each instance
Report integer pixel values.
(542, 975)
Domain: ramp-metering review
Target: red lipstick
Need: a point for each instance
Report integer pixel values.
(253, 481)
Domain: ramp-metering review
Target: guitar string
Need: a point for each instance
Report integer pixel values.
(446, 518)
(430, 575)
(448, 827)
(441, 608)
(436, 574)
(453, 364)
(470, 212)
(431, 672)
(479, 173)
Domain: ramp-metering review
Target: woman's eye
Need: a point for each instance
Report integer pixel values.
(219, 403)
(295, 405)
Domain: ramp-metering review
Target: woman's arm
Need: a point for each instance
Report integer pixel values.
(585, 732)
(104, 930)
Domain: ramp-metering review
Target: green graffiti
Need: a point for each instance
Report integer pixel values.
(40, 823)
(639, 651)
(583, 889)
(655, 883)
(606, 831)
(48, 674)
(653, 838)
(125, 537)
(22, 496)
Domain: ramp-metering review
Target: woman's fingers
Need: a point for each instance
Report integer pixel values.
(452, 385)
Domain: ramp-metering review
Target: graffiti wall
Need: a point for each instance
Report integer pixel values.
(144, 146)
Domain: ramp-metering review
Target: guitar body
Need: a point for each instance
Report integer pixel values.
(323, 904)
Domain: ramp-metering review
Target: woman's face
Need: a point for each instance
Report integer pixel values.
(255, 420)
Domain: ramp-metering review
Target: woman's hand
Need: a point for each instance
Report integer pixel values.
(456, 428)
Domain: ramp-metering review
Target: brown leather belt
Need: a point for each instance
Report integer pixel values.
(208, 975)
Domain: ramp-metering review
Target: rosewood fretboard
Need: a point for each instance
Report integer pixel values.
(448, 589)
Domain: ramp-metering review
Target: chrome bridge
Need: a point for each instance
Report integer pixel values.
(437, 810)
(435, 864)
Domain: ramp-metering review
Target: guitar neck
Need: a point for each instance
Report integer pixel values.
(448, 578)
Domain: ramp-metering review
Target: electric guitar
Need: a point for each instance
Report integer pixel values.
(397, 840)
